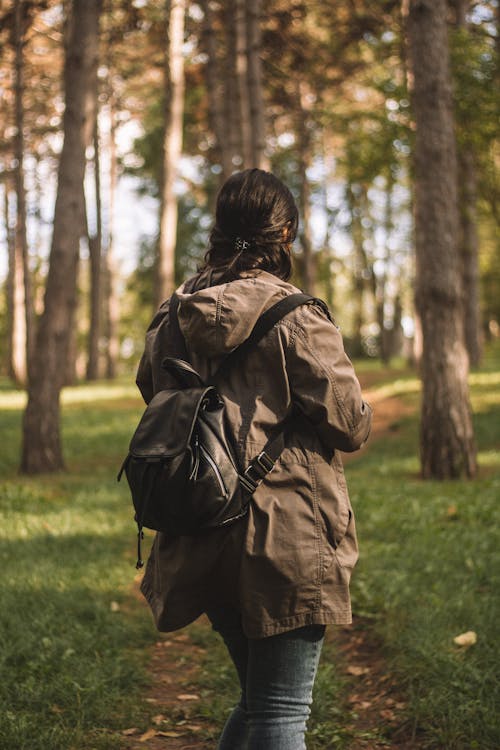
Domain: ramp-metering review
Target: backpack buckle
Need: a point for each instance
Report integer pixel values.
(259, 468)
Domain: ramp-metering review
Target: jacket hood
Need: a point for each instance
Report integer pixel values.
(216, 319)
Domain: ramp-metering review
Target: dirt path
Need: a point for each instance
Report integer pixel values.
(377, 706)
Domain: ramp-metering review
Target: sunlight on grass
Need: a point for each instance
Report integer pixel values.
(78, 394)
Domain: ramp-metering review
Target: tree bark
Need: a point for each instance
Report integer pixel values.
(255, 90)
(95, 256)
(232, 107)
(41, 449)
(304, 158)
(172, 147)
(14, 287)
(242, 79)
(447, 438)
(215, 94)
(22, 255)
(112, 298)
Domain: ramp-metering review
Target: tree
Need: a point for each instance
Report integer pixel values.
(41, 448)
(172, 146)
(21, 260)
(447, 438)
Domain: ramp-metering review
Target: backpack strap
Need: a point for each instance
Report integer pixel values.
(173, 317)
(263, 463)
(266, 321)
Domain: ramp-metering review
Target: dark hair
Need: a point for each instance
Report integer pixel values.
(256, 221)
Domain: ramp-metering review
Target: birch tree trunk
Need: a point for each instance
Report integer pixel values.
(447, 438)
(255, 92)
(41, 448)
(172, 147)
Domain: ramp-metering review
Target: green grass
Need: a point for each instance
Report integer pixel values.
(430, 570)
(73, 639)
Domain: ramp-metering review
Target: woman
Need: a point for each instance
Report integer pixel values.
(271, 582)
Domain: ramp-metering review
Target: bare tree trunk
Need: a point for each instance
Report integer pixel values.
(304, 158)
(112, 299)
(41, 449)
(14, 287)
(232, 106)
(242, 78)
(22, 255)
(255, 90)
(215, 94)
(172, 147)
(447, 436)
(95, 255)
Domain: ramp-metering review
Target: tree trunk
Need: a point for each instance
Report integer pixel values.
(242, 79)
(112, 298)
(14, 287)
(304, 159)
(232, 106)
(215, 95)
(447, 437)
(95, 254)
(172, 147)
(41, 449)
(255, 90)
(21, 240)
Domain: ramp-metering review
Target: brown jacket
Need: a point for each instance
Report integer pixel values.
(289, 562)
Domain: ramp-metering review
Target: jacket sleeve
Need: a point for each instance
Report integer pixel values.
(323, 383)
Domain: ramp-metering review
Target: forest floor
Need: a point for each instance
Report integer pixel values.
(373, 698)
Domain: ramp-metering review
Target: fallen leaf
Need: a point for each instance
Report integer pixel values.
(365, 704)
(452, 512)
(147, 735)
(128, 732)
(192, 727)
(188, 697)
(151, 700)
(466, 639)
(357, 671)
(181, 638)
(169, 734)
(114, 607)
(158, 719)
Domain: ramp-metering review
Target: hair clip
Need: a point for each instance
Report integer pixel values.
(241, 245)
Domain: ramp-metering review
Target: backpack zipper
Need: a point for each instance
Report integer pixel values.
(215, 469)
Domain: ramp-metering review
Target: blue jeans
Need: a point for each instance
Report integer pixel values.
(276, 675)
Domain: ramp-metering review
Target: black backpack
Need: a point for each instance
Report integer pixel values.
(182, 469)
